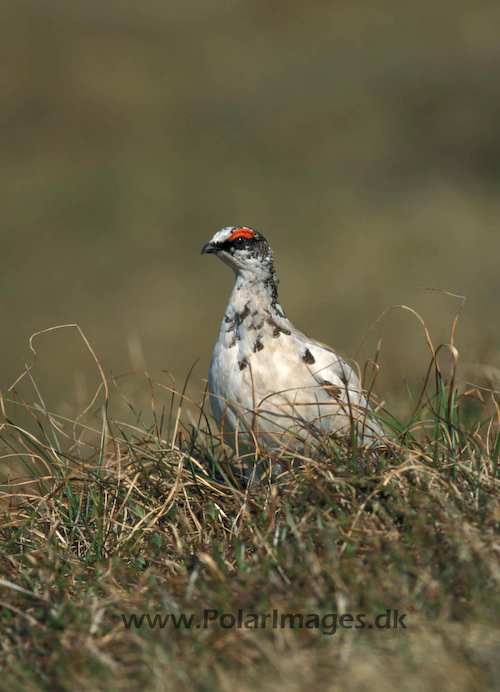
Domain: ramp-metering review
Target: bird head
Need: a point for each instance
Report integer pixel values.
(244, 250)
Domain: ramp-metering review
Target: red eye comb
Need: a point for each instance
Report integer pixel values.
(241, 233)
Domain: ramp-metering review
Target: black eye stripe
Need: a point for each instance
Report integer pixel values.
(238, 243)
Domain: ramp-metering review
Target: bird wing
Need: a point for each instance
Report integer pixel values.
(339, 393)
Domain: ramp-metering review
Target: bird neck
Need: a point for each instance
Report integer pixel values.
(255, 293)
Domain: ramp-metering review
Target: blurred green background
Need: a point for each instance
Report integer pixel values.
(362, 139)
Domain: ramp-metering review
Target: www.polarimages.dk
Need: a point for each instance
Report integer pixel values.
(327, 623)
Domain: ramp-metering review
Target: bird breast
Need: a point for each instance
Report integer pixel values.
(262, 365)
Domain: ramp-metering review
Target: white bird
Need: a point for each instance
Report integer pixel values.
(271, 387)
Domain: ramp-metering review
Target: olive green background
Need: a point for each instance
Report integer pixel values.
(361, 138)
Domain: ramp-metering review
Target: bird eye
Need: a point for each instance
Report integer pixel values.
(239, 242)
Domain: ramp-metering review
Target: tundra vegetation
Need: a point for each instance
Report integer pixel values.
(132, 554)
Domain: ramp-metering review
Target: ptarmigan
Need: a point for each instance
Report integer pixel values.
(271, 387)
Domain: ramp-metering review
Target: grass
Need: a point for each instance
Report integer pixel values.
(110, 521)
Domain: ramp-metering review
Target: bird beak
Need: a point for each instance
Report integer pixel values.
(209, 247)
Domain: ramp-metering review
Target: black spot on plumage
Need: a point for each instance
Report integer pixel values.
(237, 319)
(308, 357)
(277, 329)
(334, 391)
(243, 363)
(258, 346)
(244, 314)
(234, 324)
(256, 326)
